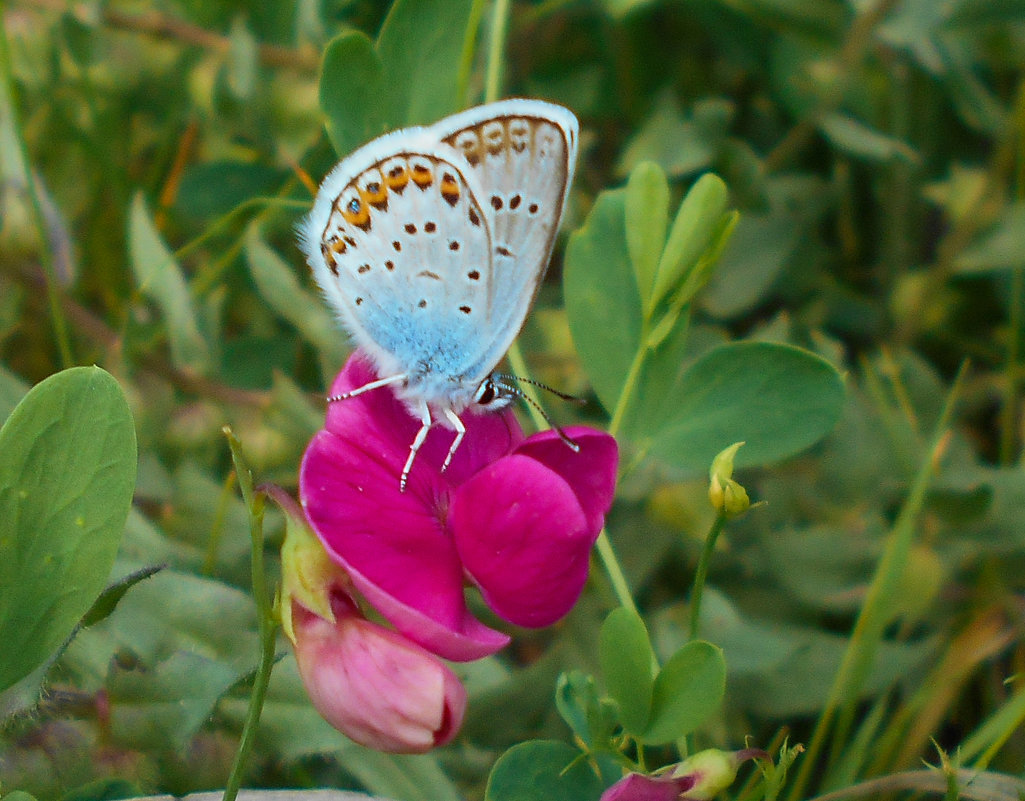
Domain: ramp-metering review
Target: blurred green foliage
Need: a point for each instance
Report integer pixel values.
(875, 150)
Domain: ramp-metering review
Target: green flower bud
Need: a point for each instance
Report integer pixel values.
(727, 496)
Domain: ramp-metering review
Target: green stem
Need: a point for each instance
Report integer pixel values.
(496, 49)
(265, 613)
(617, 578)
(628, 387)
(60, 325)
(702, 572)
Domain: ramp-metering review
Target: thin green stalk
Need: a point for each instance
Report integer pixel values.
(265, 613)
(702, 572)
(60, 325)
(876, 612)
(496, 50)
(617, 578)
(469, 51)
(628, 388)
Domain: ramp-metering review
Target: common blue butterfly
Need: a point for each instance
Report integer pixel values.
(430, 243)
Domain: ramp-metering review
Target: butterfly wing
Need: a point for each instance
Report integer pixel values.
(402, 250)
(519, 156)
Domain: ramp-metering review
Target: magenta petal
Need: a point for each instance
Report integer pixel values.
(523, 539)
(391, 544)
(591, 472)
(383, 426)
(638, 787)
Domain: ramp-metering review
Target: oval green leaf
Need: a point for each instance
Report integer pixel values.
(688, 689)
(424, 47)
(694, 230)
(647, 219)
(67, 473)
(351, 82)
(778, 399)
(544, 769)
(602, 301)
(626, 665)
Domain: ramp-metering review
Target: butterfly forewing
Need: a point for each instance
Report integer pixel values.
(406, 259)
(520, 155)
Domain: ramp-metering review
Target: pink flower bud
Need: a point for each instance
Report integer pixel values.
(374, 685)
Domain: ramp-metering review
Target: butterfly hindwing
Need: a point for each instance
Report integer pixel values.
(520, 154)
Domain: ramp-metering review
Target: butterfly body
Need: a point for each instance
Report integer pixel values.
(430, 244)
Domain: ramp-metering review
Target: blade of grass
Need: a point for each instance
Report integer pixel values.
(838, 713)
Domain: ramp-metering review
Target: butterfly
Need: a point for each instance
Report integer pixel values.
(430, 243)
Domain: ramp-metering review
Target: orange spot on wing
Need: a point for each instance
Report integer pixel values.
(422, 176)
(356, 212)
(397, 178)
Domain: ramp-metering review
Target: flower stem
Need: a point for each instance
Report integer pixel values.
(615, 573)
(702, 573)
(265, 614)
(626, 394)
(8, 103)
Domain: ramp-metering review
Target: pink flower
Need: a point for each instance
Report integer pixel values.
(373, 684)
(639, 787)
(700, 777)
(516, 517)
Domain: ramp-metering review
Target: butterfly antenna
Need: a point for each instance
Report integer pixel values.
(563, 395)
(519, 393)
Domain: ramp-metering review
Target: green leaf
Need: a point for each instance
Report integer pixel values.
(626, 664)
(859, 139)
(279, 287)
(66, 481)
(602, 301)
(541, 769)
(351, 84)
(161, 280)
(688, 689)
(421, 47)
(111, 597)
(778, 399)
(696, 227)
(647, 219)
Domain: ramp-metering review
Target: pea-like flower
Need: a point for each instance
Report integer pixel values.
(516, 517)
(374, 685)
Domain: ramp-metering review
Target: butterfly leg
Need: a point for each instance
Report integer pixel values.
(457, 424)
(418, 440)
(381, 382)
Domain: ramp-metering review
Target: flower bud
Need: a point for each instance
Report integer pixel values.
(374, 685)
(698, 778)
(727, 496)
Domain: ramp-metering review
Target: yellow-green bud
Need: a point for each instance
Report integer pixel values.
(308, 575)
(727, 496)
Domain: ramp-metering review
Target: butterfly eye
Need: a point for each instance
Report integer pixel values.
(486, 392)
